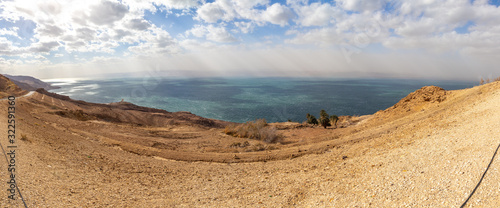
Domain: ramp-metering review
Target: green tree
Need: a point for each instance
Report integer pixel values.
(311, 119)
(333, 120)
(323, 119)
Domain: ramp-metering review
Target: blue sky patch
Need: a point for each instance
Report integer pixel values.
(465, 28)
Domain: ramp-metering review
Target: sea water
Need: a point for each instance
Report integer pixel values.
(245, 99)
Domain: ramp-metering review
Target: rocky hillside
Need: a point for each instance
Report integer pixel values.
(8, 88)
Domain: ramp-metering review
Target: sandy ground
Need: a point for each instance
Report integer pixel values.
(425, 154)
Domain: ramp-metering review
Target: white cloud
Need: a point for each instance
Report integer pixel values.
(89, 26)
(431, 25)
(219, 34)
(245, 27)
(119, 34)
(213, 33)
(50, 7)
(139, 6)
(6, 47)
(107, 12)
(419, 24)
(487, 15)
(229, 10)
(360, 5)
(138, 24)
(44, 47)
(317, 14)
(210, 12)
(476, 43)
(9, 31)
(248, 4)
(85, 34)
(176, 4)
(198, 31)
(419, 28)
(50, 30)
(155, 41)
(277, 14)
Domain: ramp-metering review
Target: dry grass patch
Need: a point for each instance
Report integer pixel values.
(24, 138)
(75, 114)
(258, 129)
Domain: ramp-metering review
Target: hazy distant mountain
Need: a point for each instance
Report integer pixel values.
(30, 83)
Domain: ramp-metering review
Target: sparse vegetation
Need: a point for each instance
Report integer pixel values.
(324, 119)
(24, 138)
(482, 81)
(333, 120)
(258, 129)
(239, 144)
(311, 119)
(75, 114)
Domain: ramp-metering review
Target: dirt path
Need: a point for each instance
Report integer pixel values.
(26, 95)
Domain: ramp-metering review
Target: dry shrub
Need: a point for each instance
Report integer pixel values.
(482, 81)
(258, 129)
(108, 117)
(24, 138)
(239, 144)
(75, 114)
(259, 147)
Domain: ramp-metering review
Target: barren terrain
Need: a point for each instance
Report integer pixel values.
(428, 150)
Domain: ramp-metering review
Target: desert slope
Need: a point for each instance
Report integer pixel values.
(7, 88)
(429, 150)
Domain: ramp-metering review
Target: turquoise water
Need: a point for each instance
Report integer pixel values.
(240, 100)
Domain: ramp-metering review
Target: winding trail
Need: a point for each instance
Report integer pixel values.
(25, 95)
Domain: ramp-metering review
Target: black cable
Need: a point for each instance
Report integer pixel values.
(15, 182)
(481, 180)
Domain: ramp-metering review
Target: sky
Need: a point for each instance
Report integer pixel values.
(429, 39)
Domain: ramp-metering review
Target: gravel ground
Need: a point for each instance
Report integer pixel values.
(430, 158)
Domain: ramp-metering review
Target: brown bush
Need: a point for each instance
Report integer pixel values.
(24, 138)
(482, 81)
(75, 114)
(258, 129)
(239, 144)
